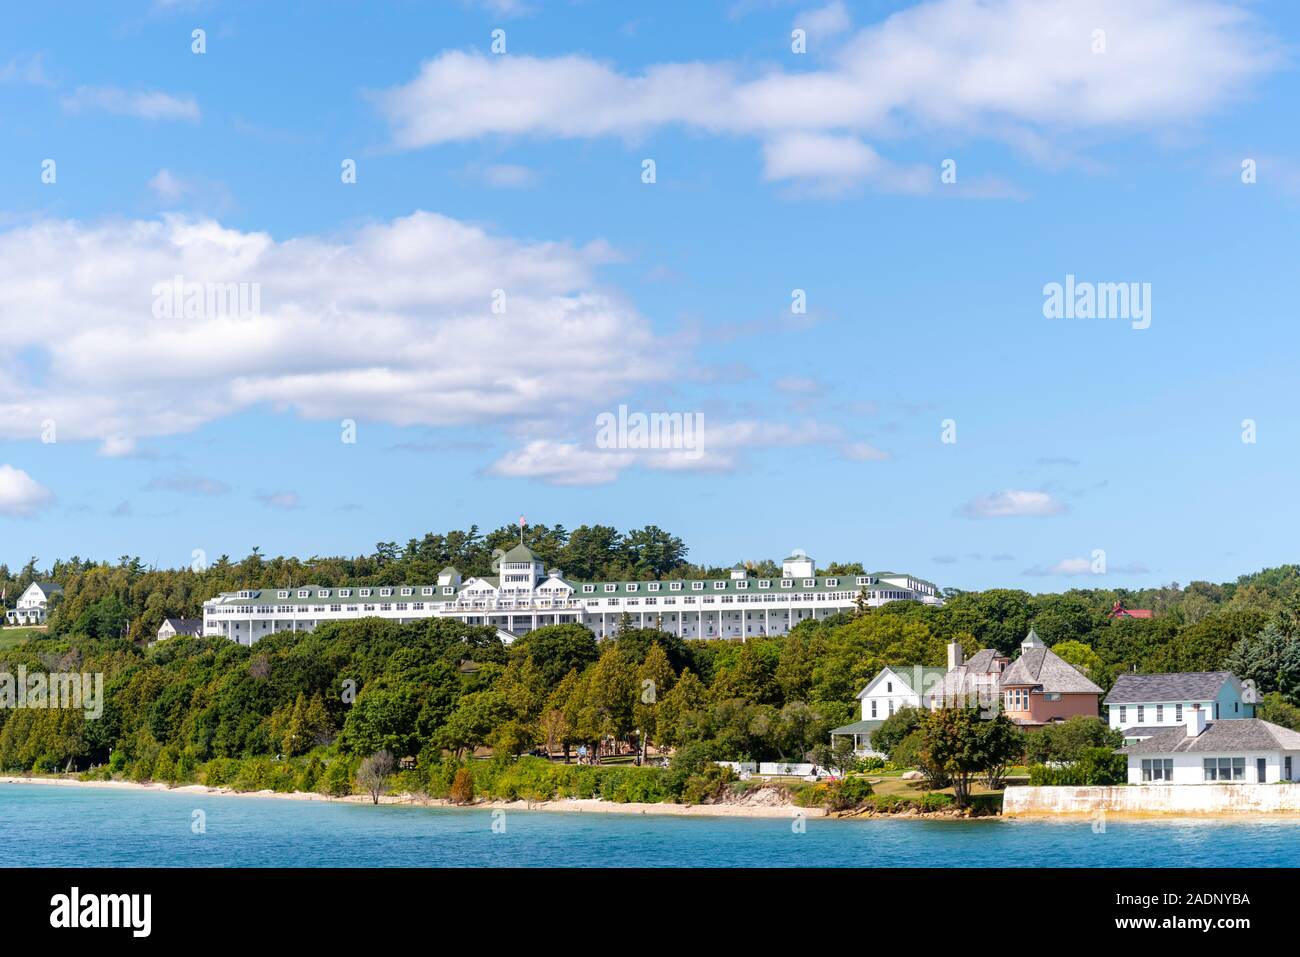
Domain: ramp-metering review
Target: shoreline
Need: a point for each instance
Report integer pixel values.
(562, 805)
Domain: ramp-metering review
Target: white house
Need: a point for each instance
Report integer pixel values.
(525, 595)
(898, 686)
(1199, 751)
(171, 627)
(33, 605)
(1141, 703)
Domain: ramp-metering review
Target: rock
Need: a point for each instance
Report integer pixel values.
(912, 775)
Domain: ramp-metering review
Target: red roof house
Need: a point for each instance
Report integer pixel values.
(1119, 611)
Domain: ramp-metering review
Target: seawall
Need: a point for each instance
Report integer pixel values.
(1153, 799)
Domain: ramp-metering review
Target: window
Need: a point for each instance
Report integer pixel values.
(1178, 713)
(832, 583)
(385, 592)
(1123, 714)
(1157, 769)
(282, 594)
(1142, 713)
(365, 593)
(653, 586)
(787, 583)
(448, 589)
(1286, 762)
(873, 713)
(1160, 714)
(588, 589)
(697, 586)
(1225, 769)
(407, 591)
(302, 593)
(742, 584)
(810, 583)
(426, 591)
(675, 586)
(631, 588)
(610, 587)
(719, 585)
(889, 687)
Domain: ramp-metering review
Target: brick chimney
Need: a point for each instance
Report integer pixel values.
(955, 656)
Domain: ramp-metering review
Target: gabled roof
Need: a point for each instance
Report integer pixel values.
(49, 588)
(185, 626)
(1228, 735)
(930, 677)
(1041, 667)
(1174, 686)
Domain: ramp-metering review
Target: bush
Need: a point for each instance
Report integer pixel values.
(1095, 767)
(462, 787)
(339, 775)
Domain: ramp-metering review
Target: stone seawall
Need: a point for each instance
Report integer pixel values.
(1154, 799)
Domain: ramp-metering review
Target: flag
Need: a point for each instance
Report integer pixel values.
(522, 521)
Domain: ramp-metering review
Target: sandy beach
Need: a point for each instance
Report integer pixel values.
(570, 805)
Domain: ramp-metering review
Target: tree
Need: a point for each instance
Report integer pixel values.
(1068, 740)
(654, 679)
(838, 757)
(374, 772)
(963, 745)
(1076, 653)
(1272, 658)
(894, 729)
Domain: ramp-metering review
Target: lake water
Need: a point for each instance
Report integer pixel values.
(85, 827)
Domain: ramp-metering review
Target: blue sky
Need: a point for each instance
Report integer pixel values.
(774, 171)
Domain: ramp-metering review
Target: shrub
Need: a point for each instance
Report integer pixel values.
(462, 787)
(1095, 767)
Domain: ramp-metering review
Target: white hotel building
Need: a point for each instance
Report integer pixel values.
(525, 596)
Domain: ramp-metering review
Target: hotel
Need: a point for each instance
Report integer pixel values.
(524, 595)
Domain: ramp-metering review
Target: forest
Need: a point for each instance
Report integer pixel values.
(304, 710)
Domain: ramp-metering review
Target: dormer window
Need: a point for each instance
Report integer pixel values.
(674, 586)
(719, 585)
(282, 594)
(787, 583)
(697, 586)
(385, 592)
(323, 593)
(426, 591)
(631, 587)
(810, 583)
(365, 593)
(609, 588)
(588, 589)
(832, 583)
(741, 584)
(408, 591)
(653, 586)
(303, 593)
(448, 590)
(345, 592)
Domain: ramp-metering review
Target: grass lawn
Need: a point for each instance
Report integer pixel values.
(887, 784)
(13, 637)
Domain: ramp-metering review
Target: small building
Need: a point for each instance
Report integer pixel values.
(33, 605)
(1228, 751)
(1040, 687)
(1119, 611)
(976, 682)
(171, 627)
(1140, 702)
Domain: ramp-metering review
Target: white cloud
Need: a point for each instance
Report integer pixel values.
(21, 496)
(148, 105)
(1071, 567)
(836, 163)
(509, 176)
(823, 23)
(392, 322)
(724, 446)
(167, 185)
(1013, 502)
(25, 69)
(1019, 70)
(864, 452)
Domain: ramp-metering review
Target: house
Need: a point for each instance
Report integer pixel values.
(1119, 611)
(973, 682)
(33, 605)
(895, 687)
(171, 627)
(1138, 704)
(898, 686)
(1040, 687)
(1202, 751)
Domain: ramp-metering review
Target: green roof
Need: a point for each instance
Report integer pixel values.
(858, 727)
(520, 553)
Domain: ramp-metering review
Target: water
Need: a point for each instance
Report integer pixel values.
(82, 827)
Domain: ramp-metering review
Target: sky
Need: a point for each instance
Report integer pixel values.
(459, 234)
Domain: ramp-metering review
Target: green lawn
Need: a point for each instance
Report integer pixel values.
(13, 637)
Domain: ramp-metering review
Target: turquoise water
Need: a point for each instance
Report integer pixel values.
(84, 827)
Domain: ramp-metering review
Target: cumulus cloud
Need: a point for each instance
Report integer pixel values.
(21, 496)
(392, 322)
(1011, 503)
(1020, 70)
(1070, 567)
(285, 500)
